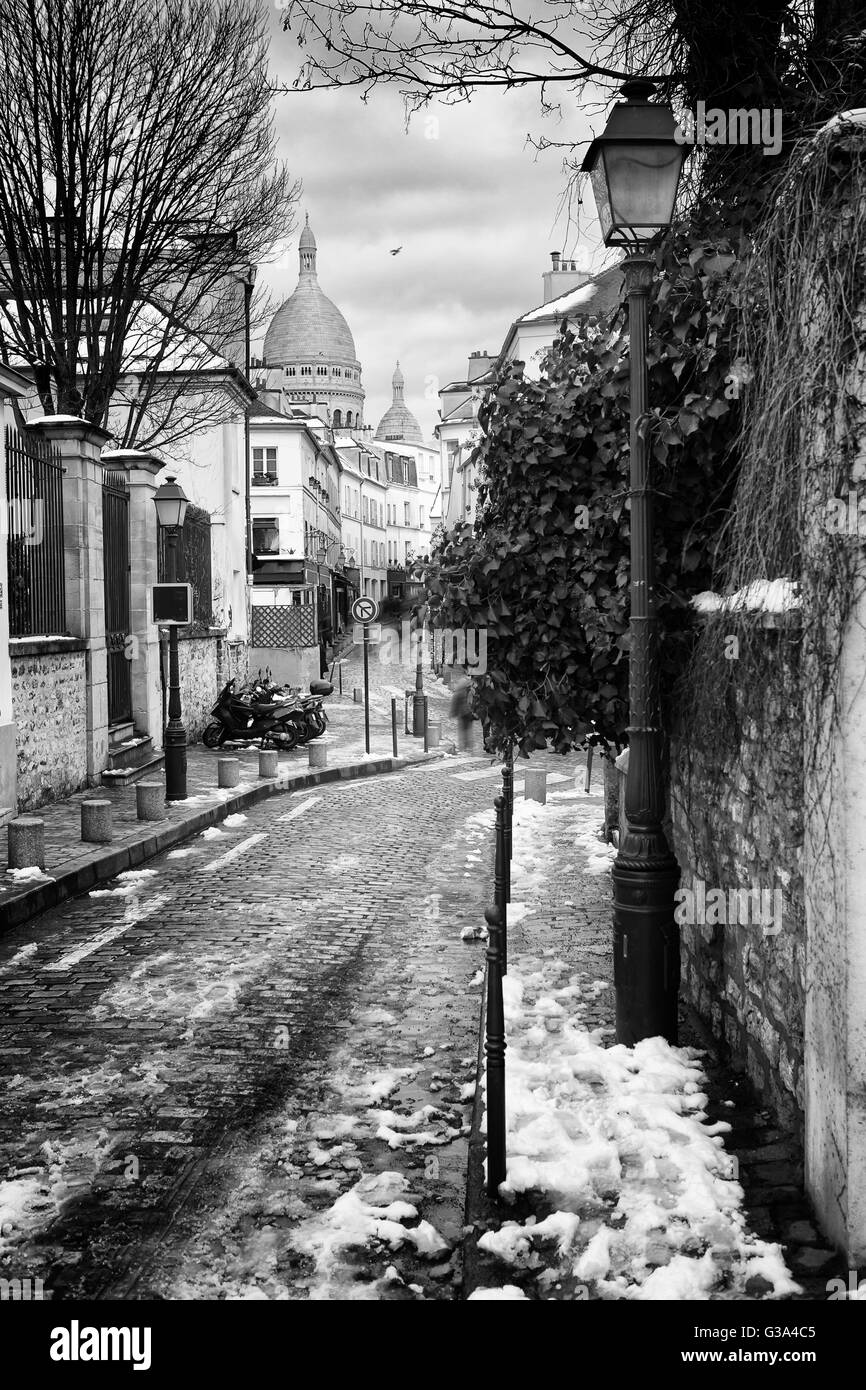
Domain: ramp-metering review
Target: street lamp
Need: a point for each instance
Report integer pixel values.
(171, 505)
(635, 168)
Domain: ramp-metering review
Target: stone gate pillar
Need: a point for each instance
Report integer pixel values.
(141, 469)
(11, 384)
(79, 444)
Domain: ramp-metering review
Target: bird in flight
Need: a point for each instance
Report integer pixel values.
(396, 251)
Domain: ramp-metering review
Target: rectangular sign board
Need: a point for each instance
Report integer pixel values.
(358, 632)
(172, 603)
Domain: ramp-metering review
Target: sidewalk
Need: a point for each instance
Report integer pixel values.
(644, 1173)
(72, 866)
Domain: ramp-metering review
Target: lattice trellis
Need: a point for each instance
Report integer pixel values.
(284, 625)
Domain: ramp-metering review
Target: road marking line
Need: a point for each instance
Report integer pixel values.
(230, 854)
(134, 913)
(298, 810)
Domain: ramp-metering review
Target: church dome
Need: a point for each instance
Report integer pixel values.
(308, 327)
(398, 422)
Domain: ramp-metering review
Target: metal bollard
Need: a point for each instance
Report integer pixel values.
(588, 768)
(499, 880)
(426, 726)
(507, 792)
(494, 1049)
(149, 800)
(269, 762)
(96, 822)
(340, 673)
(26, 843)
(228, 772)
(394, 724)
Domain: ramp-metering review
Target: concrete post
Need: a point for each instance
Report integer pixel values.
(80, 443)
(535, 785)
(96, 821)
(318, 754)
(150, 800)
(26, 843)
(269, 762)
(228, 772)
(141, 470)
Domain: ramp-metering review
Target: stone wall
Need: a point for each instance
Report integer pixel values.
(49, 703)
(206, 663)
(738, 825)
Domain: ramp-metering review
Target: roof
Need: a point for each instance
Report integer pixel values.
(596, 296)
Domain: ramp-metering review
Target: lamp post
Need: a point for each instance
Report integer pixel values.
(171, 505)
(635, 168)
(418, 698)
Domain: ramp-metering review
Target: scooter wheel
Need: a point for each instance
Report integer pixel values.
(286, 739)
(213, 736)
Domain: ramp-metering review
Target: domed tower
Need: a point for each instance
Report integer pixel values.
(309, 351)
(398, 422)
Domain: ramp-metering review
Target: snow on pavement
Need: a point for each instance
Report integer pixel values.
(616, 1141)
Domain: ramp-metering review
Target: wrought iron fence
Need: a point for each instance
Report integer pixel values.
(193, 562)
(36, 571)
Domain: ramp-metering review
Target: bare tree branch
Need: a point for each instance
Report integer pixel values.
(137, 180)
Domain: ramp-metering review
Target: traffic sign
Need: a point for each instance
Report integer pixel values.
(365, 609)
(374, 633)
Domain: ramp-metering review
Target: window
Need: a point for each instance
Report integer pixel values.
(408, 551)
(381, 522)
(421, 517)
(338, 419)
(291, 371)
(266, 536)
(306, 371)
(337, 372)
(366, 551)
(365, 508)
(407, 515)
(264, 466)
(321, 371)
(348, 417)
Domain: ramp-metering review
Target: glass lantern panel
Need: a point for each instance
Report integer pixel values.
(642, 182)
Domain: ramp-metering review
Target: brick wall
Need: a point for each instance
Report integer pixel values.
(738, 826)
(49, 708)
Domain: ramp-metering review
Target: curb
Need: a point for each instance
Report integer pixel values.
(112, 862)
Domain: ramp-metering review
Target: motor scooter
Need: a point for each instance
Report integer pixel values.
(274, 723)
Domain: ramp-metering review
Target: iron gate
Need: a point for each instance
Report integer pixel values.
(115, 543)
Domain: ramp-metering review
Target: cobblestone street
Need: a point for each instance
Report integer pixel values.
(209, 1052)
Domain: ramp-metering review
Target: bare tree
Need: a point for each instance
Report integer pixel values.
(137, 183)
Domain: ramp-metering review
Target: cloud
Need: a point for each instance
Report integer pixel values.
(473, 207)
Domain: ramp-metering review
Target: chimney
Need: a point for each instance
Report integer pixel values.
(479, 363)
(562, 277)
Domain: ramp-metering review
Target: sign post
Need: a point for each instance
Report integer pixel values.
(366, 610)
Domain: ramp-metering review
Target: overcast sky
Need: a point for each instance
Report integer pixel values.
(475, 211)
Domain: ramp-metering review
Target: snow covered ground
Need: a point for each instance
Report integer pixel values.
(630, 1184)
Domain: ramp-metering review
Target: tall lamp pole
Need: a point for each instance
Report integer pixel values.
(635, 168)
(171, 505)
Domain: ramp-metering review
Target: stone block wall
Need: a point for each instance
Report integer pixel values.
(49, 704)
(206, 663)
(738, 824)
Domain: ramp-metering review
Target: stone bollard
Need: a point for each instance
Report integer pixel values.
(269, 762)
(434, 732)
(26, 843)
(150, 800)
(318, 754)
(535, 785)
(96, 822)
(228, 772)
(358, 695)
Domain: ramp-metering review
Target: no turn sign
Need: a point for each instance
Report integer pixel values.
(365, 610)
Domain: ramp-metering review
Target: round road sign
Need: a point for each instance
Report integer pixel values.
(365, 610)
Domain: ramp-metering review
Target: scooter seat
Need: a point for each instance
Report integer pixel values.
(321, 688)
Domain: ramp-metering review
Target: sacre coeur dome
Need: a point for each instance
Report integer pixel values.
(308, 326)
